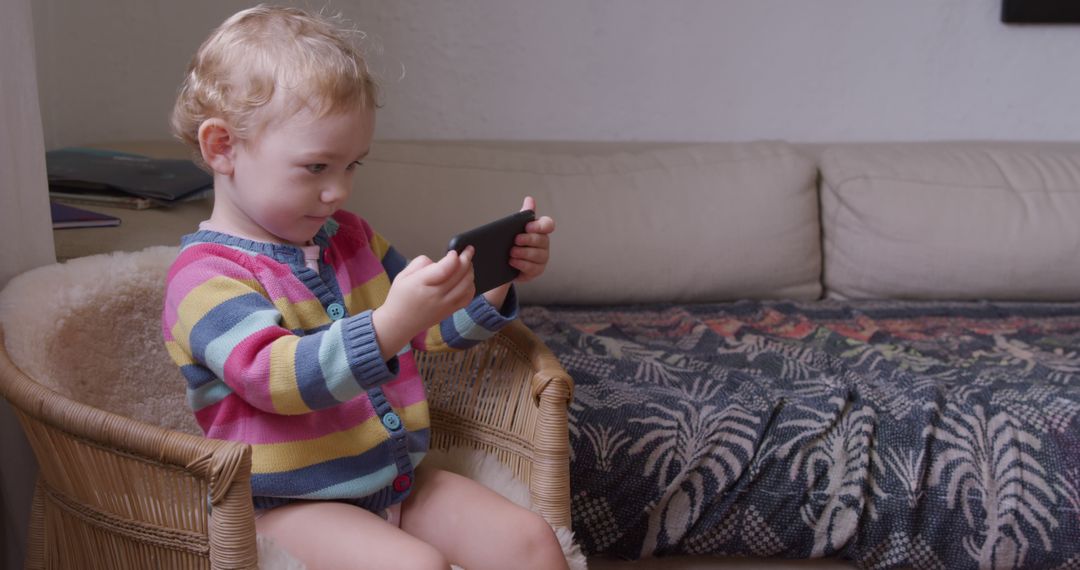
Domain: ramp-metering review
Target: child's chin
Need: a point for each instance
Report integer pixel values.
(304, 232)
(297, 238)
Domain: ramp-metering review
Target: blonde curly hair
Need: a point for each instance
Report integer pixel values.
(311, 60)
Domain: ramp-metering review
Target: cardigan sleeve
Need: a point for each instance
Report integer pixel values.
(220, 324)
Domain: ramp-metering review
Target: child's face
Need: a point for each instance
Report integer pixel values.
(297, 173)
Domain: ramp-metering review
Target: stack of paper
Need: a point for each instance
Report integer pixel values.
(103, 177)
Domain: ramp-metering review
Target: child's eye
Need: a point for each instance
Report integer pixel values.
(354, 164)
(315, 168)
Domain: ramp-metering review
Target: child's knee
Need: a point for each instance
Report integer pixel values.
(423, 557)
(537, 537)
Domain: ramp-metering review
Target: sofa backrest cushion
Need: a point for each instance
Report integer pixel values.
(952, 221)
(635, 223)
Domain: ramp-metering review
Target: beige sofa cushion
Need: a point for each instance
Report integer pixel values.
(952, 220)
(635, 224)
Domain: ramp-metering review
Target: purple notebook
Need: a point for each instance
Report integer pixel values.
(64, 217)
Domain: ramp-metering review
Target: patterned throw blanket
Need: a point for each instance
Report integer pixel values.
(893, 434)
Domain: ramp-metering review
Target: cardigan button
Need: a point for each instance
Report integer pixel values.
(392, 421)
(336, 311)
(402, 483)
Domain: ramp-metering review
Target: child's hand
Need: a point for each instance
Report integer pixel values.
(423, 294)
(532, 249)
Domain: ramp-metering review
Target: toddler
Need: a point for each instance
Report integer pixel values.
(293, 321)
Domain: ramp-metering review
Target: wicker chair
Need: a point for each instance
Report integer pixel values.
(119, 487)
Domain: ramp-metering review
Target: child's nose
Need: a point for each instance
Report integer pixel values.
(336, 191)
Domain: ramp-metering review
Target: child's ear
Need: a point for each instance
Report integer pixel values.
(218, 145)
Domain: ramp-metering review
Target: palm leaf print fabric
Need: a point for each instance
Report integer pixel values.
(893, 434)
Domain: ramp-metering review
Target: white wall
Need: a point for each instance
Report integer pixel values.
(26, 242)
(611, 69)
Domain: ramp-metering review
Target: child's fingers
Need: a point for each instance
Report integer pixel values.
(464, 265)
(528, 204)
(458, 288)
(542, 225)
(464, 290)
(467, 254)
(457, 268)
(417, 263)
(441, 271)
(533, 254)
(528, 269)
(532, 240)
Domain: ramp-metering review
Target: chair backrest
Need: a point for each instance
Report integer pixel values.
(90, 329)
(80, 340)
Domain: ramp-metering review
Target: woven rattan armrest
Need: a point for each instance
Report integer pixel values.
(508, 397)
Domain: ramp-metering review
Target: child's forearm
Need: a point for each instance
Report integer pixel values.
(389, 333)
(497, 296)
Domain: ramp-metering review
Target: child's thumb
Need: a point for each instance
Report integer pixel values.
(438, 272)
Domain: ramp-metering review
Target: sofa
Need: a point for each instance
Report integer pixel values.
(785, 355)
(863, 353)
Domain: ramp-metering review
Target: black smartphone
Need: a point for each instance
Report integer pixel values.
(492, 242)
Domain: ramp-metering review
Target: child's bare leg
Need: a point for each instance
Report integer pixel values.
(475, 527)
(331, 536)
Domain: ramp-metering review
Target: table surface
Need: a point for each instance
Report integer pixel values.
(138, 229)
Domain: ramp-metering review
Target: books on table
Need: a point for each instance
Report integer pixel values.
(65, 217)
(111, 178)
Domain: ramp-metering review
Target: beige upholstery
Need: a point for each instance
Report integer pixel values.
(636, 224)
(952, 221)
(677, 222)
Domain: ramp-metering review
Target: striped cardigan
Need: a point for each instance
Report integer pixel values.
(285, 358)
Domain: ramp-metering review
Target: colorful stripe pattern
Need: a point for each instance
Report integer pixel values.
(285, 359)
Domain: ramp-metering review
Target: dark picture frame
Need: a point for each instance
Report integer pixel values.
(1040, 11)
